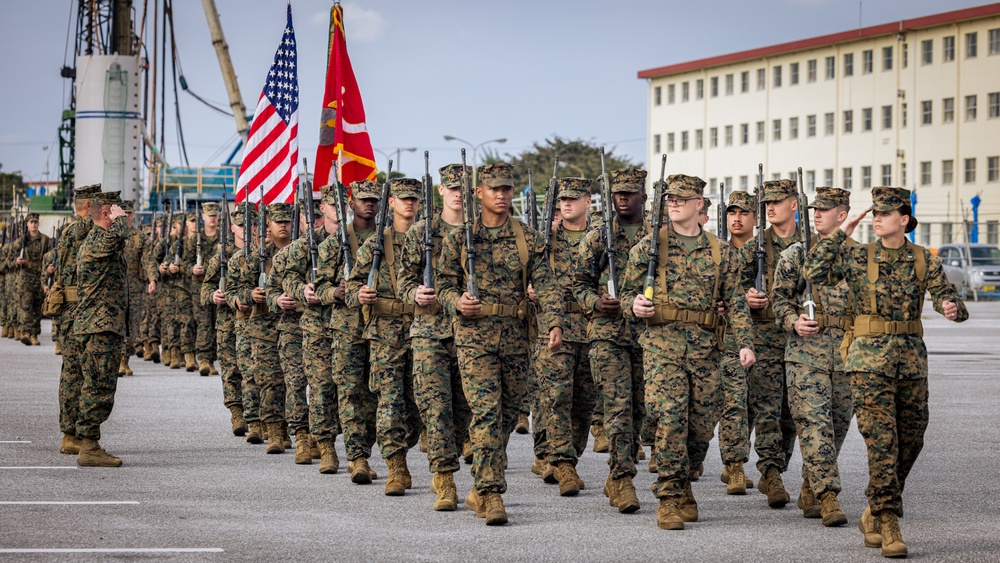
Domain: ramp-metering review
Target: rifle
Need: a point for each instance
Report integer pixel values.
(166, 234)
(549, 209)
(609, 234)
(807, 298)
(380, 224)
(247, 227)
(760, 253)
(197, 228)
(468, 221)
(532, 204)
(341, 204)
(723, 228)
(53, 243)
(311, 219)
(224, 238)
(261, 238)
(654, 242)
(24, 234)
(428, 233)
(179, 249)
(296, 211)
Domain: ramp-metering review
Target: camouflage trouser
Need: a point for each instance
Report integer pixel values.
(317, 359)
(149, 328)
(71, 373)
(494, 385)
(165, 307)
(437, 390)
(682, 386)
(267, 373)
(30, 297)
(567, 394)
(136, 303)
(232, 378)
(768, 409)
(821, 407)
(734, 429)
(529, 404)
(101, 355)
(296, 401)
(397, 420)
(355, 399)
(55, 330)
(244, 363)
(618, 371)
(892, 417)
(184, 319)
(205, 327)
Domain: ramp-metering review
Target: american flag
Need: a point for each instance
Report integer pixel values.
(272, 148)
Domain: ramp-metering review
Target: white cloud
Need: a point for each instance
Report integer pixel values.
(362, 25)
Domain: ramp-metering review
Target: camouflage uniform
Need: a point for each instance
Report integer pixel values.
(296, 403)
(682, 356)
(492, 348)
(136, 245)
(204, 317)
(615, 353)
(225, 332)
(185, 290)
(237, 269)
(28, 284)
(48, 260)
(887, 364)
(165, 295)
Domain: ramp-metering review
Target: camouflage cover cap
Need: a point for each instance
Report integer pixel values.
(211, 208)
(31, 217)
(179, 217)
(496, 175)
(708, 203)
(191, 215)
(405, 187)
(628, 180)
(127, 205)
(777, 190)
(107, 198)
(239, 214)
(451, 175)
(86, 192)
(682, 185)
(889, 199)
(366, 189)
(573, 188)
(828, 198)
(279, 212)
(316, 202)
(742, 200)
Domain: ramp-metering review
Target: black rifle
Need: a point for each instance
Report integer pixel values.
(380, 225)
(197, 228)
(608, 213)
(654, 242)
(54, 244)
(24, 234)
(807, 298)
(296, 211)
(531, 204)
(549, 208)
(247, 225)
(428, 231)
(468, 226)
(723, 229)
(307, 188)
(340, 201)
(167, 228)
(261, 238)
(760, 252)
(179, 249)
(226, 229)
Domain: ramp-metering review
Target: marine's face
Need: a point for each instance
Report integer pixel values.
(629, 205)
(827, 220)
(573, 209)
(740, 221)
(496, 199)
(365, 208)
(452, 197)
(405, 207)
(889, 223)
(33, 227)
(781, 212)
(211, 221)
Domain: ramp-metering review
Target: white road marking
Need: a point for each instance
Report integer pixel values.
(69, 502)
(39, 467)
(122, 550)
(15, 441)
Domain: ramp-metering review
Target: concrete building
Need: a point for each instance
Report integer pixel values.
(913, 103)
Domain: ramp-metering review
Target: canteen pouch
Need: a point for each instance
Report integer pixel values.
(53, 305)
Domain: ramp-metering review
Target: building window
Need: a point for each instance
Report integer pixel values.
(925, 173)
(946, 233)
(848, 121)
(776, 176)
(926, 113)
(947, 172)
(846, 174)
(886, 58)
(744, 133)
(744, 81)
(670, 142)
(828, 121)
(811, 70)
(811, 180)
(670, 94)
(886, 117)
(867, 61)
(828, 177)
(699, 139)
(866, 119)
(995, 41)
(744, 183)
(886, 174)
(906, 55)
(866, 177)
(927, 51)
(810, 126)
(761, 78)
(949, 49)
(793, 128)
(656, 144)
(656, 97)
(760, 131)
(993, 168)
(776, 133)
(714, 87)
(685, 91)
(971, 45)
(970, 107)
(684, 140)
(729, 182)
(729, 84)
(729, 135)
(848, 65)
(902, 173)
(713, 137)
(776, 72)
(925, 234)
(994, 104)
(970, 171)
(793, 70)
(948, 111)
(699, 89)
(902, 113)
(992, 232)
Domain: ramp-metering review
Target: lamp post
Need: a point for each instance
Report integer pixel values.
(475, 150)
(398, 151)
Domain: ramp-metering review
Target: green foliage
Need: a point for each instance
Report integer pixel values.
(380, 177)
(10, 183)
(578, 158)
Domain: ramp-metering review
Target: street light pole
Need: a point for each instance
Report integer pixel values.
(475, 151)
(398, 150)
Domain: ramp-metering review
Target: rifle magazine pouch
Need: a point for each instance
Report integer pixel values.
(53, 305)
(845, 344)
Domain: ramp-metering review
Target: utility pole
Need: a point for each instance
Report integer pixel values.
(226, 64)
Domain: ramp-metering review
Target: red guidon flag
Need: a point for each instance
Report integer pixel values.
(343, 134)
(272, 148)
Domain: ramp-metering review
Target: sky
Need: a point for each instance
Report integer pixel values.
(473, 69)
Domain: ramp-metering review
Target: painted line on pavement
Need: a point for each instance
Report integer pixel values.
(69, 502)
(39, 467)
(15, 441)
(122, 550)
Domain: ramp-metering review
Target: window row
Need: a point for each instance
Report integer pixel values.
(969, 171)
(809, 178)
(971, 109)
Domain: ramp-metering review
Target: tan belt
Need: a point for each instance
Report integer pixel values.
(842, 322)
(391, 308)
(765, 314)
(870, 325)
(519, 311)
(665, 314)
(72, 296)
(572, 307)
(433, 309)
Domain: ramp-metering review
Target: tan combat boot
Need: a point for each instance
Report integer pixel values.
(496, 514)
(539, 466)
(121, 366)
(394, 485)
(140, 349)
(5, 331)
(70, 444)
(203, 367)
(58, 348)
(34, 340)
(807, 501)
(147, 352)
(737, 484)
(236, 418)
(189, 362)
(831, 512)
(286, 440)
(274, 445)
(254, 434)
(166, 356)
(329, 463)
(628, 501)
(688, 507)
(522, 426)
(771, 485)
(211, 369)
(302, 443)
(25, 339)
(641, 454)
(696, 474)
(423, 441)
(93, 455)
(128, 369)
(568, 479)
(176, 358)
(892, 537)
(314, 448)
(154, 353)
(668, 515)
(475, 503)
(611, 491)
(724, 477)
(601, 444)
(361, 472)
(443, 484)
(870, 528)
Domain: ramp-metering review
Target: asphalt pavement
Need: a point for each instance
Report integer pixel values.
(191, 491)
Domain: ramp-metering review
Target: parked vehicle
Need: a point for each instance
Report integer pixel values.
(983, 274)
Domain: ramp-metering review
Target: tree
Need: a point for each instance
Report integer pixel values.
(10, 183)
(577, 158)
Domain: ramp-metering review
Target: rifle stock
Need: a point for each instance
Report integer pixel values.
(549, 210)
(380, 224)
(654, 242)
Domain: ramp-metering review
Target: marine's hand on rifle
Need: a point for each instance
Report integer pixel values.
(721, 307)
(425, 296)
(747, 357)
(198, 270)
(243, 308)
(309, 292)
(162, 268)
(555, 338)
(608, 305)
(805, 327)
(218, 297)
(367, 295)
(531, 293)
(285, 302)
(20, 261)
(258, 295)
(151, 289)
(173, 268)
(756, 299)
(45, 289)
(642, 307)
(341, 291)
(468, 305)
(50, 269)
(852, 223)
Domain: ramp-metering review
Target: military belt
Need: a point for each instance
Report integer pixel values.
(665, 314)
(572, 307)
(870, 325)
(499, 310)
(72, 295)
(842, 322)
(432, 309)
(391, 308)
(765, 314)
